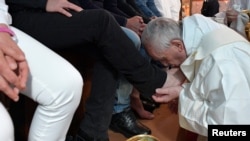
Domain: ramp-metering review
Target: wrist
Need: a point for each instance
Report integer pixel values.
(6, 30)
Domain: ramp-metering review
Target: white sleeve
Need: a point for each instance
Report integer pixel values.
(5, 17)
(175, 9)
(218, 95)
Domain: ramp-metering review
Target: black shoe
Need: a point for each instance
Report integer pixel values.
(127, 124)
(149, 104)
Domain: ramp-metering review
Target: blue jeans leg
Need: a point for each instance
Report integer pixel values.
(124, 88)
(153, 8)
(142, 5)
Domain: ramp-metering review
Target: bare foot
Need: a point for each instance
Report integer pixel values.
(136, 105)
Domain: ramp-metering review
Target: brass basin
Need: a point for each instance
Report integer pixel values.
(143, 138)
(246, 11)
(247, 30)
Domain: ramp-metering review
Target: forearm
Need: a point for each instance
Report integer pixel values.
(129, 10)
(122, 21)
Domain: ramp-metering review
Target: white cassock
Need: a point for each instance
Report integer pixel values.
(218, 71)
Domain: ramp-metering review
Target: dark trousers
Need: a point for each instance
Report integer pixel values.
(115, 53)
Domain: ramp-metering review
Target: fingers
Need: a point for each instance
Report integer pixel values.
(8, 90)
(69, 6)
(11, 84)
(23, 72)
(162, 90)
(65, 12)
(164, 95)
(160, 98)
(15, 52)
(62, 6)
(74, 7)
(6, 72)
(10, 48)
(12, 63)
(141, 20)
(13, 72)
(12, 81)
(142, 27)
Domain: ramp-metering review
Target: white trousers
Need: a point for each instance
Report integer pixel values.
(6, 127)
(54, 84)
(169, 8)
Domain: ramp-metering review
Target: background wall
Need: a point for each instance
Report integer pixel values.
(196, 6)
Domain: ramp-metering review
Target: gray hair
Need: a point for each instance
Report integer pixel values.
(160, 31)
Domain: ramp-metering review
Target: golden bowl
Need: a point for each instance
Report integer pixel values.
(246, 11)
(143, 138)
(247, 30)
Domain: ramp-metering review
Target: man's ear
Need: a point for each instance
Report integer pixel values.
(178, 43)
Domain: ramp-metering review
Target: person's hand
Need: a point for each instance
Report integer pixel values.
(136, 24)
(231, 15)
(62, 6)
(165, 95)
(153, 17)
(13, 67)
(9, 47)
(175, 77)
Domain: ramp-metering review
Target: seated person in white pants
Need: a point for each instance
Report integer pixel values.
(169, 8)
(28, 67)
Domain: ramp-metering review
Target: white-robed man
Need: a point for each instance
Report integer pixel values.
(215, 62)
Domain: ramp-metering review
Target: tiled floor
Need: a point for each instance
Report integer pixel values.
(164, 126)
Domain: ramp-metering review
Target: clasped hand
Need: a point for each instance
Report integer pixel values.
(231, 15)
(13, 67)
(136, 24)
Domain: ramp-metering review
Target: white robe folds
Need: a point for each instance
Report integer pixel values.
(218, 71)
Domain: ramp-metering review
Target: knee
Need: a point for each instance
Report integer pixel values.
(103, 16)
(6, 128)
(133, 36)
(73, 90)
(103, 13)
(66, 95)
